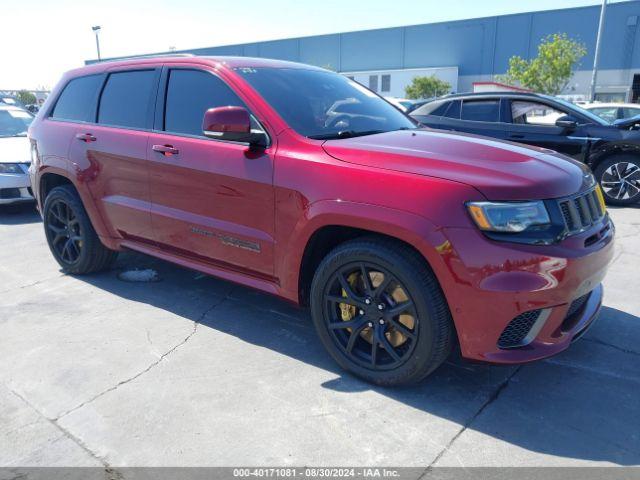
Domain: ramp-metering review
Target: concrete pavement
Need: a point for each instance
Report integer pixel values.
(194, 371)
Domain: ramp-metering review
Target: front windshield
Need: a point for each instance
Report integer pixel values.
(586, 113)
(322, 105)
(14, 122)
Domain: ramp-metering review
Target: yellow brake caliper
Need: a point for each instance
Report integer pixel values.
(347, 312)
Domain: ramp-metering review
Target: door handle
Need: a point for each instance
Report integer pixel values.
(85, 137)
(166, 150)
(516, 135)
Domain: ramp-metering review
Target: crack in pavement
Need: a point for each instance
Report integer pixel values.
(33, 284)
(610, 345)
(196, 322)
(112, 473)
(492, 398)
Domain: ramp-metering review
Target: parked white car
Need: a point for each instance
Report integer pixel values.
(15, 155)
(402, 103)
(613, 111)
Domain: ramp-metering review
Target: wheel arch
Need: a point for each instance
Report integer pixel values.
(54, 177)
(611, 149)
(330, 223)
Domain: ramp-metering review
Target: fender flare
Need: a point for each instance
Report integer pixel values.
(408, 227)
(87, 201)
(609, 149)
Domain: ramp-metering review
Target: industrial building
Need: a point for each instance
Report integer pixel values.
(466, 51)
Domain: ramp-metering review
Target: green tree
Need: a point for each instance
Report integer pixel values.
(26, 97)
(426, 87)
(551, 71)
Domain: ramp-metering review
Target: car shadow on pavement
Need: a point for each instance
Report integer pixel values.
(19, 214)
(582, 404)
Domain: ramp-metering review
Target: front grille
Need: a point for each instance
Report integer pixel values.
(581, 212)
(518, 329)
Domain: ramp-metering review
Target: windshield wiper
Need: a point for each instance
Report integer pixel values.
(345, 134)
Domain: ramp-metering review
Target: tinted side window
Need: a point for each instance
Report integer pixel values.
(628, 112)
(453, 111)
(126, 99)
(433, 108)
(481, 110)
(76, 102)
(190, 93)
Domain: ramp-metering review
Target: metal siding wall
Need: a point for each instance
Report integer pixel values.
(618, 43)
(635, 46)
(322, 51)
(512, 39)
(580, 24)
(478, 47)
(280, 49)
(372, 50)
(251, 50)
(467, 44)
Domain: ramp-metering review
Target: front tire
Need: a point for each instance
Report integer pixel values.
(379, 311)
(619, 178)
(70, 235)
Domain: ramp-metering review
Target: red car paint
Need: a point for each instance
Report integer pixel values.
(248, 215)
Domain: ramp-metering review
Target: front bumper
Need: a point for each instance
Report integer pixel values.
(495, 282)
(15, 189)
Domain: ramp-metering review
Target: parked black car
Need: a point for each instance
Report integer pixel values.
(611, 150)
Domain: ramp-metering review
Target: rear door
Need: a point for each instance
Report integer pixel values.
(73, 109)
(482, 116)
(533, 123)
(213, 200)
(111, 152)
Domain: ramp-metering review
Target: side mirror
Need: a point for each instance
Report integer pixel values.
(567, 122)
(231, 123)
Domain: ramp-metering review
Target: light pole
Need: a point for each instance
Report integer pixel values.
(96, 30)
(596, 55)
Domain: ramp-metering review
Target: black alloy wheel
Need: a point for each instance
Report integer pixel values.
(370, 316)
(70, 234)
(380, 312)
(65, 230)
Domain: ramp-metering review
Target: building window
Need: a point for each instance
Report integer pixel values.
(385, 83)
(373, 82)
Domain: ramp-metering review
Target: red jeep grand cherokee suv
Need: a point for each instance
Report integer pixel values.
(302, 183)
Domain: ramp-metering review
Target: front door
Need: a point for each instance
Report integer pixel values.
(482, 116)
(212, 200)
(534, 123)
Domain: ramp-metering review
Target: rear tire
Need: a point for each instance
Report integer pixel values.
(70, 235)
(619, 178)
(402, 312)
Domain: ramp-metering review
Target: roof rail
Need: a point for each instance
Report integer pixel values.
(153, 55)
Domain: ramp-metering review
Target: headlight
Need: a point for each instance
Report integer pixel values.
(10, 168)
(508, 216)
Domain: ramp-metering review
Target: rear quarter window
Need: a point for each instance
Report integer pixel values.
(76, 102)
(126, 99)
(434, 108)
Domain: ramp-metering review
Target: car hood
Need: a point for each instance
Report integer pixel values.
(15, 150)
(499, 170)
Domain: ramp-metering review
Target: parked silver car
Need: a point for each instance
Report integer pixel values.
(15, 155)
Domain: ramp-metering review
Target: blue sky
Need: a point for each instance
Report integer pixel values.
(54, 36)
